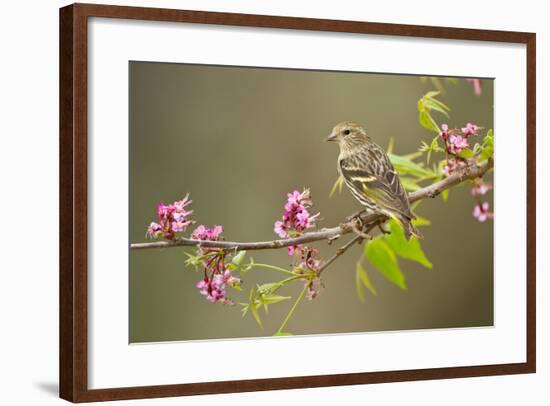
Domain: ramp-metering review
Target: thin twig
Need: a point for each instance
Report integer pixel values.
(345, 247)
(470, 172)
(360, 233)
(339, 252)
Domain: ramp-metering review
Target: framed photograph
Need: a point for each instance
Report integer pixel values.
(255, 202)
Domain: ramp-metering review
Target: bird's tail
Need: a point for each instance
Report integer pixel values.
(409, 229)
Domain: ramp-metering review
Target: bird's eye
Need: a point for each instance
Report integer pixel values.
(346, 132)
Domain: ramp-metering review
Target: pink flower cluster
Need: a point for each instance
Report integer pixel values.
(172, 219)
(309, 262)
(457, 143)
(456, 140)
(481, 210)
(206, 234)
(216, 275)
(296, 217)
(214, 288)
(295, 220)
(470, 129)
(480, 188)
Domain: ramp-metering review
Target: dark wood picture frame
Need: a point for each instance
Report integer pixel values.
(73, 202)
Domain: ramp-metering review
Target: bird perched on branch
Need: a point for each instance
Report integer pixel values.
(370, 176)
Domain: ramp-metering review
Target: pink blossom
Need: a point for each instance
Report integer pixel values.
(207, 234)
(203, 285)
(172, 219)
(203, 233)
(481, 212)
(294, 199)
(213, 291)
(457, 143)
(480, 188)
(154, 230)
(230, 279)
(304, 220)
(280, 229)
(296, 218)
(292, 249)
(470, 129)
(215, 288)
(476, 83)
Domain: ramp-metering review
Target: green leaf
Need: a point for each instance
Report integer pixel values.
(427, 122)
(432, 93)
(445, 195)
(362, 280)
(192, 260)
(282, 334)
(337, 186)
(409, 184)
(237, 259)
(487, 148)
(253, 308)
(267, 288)
(421, 221)
(426, 105)
(272, 299)
(433, 104)
(407, 166)
(466, 153)
(381, 256)
(412, 156)
(244, 310)
(411, 249)
(429, 98)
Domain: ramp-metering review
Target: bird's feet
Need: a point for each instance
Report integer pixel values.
(356, 215)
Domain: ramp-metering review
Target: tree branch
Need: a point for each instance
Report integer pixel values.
(468, 173)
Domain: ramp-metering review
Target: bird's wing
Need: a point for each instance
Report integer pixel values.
(375, 178)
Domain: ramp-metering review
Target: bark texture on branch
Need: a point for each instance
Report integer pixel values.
(470, 172)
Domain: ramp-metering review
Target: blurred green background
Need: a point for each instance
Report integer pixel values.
(238, 139)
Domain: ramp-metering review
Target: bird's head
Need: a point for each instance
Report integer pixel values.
(348, 135)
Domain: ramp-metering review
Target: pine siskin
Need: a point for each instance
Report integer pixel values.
(370, 176)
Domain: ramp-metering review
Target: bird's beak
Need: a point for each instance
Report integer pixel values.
(331, 137)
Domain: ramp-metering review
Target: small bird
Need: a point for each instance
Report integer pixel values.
(370, 175)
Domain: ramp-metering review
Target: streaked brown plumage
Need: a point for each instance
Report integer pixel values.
(370, 175)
